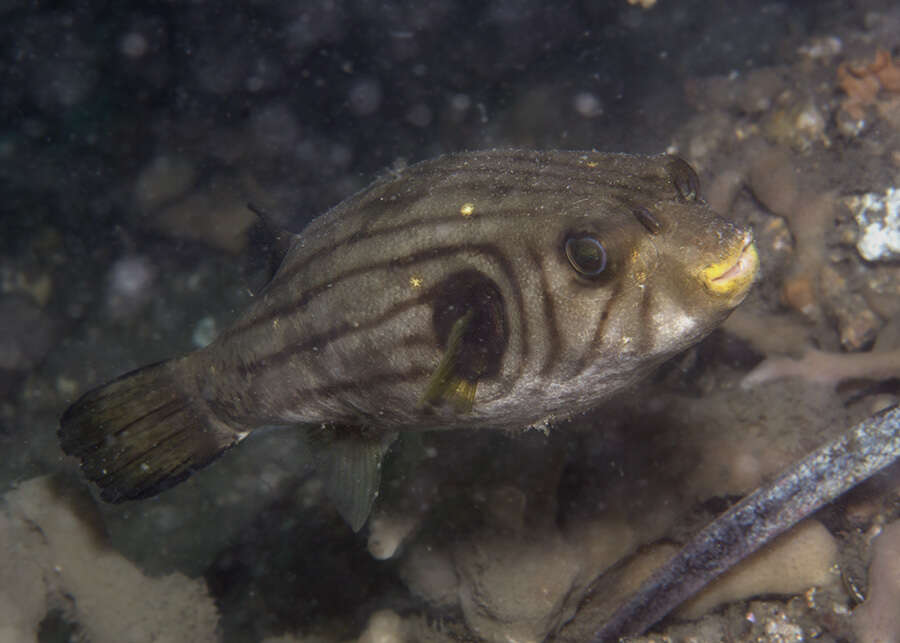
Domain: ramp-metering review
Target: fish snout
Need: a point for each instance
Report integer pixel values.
(733, 275)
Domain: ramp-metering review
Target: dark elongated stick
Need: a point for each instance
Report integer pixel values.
(812, 482)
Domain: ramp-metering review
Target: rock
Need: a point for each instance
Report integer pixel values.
(385, 626)
(429, 574)
(164, 179)
(791, 564)
(878, 218)
(129, 286)
(215, 214)
(517, 589)
(387, 533)
(56, 560)
(878, 619)
(857, 324)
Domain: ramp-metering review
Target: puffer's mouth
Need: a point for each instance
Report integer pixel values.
(733, 275)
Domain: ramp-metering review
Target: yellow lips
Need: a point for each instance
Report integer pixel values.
(734, 274)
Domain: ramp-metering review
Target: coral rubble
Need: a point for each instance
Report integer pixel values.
(53, 559)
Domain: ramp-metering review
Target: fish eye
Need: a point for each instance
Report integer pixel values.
(685, 179)
(586, 254)
(646, 218)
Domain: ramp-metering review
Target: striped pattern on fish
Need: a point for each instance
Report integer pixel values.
(485, 289)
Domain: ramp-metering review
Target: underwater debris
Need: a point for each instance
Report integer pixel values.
(810, 483)
(826, 368)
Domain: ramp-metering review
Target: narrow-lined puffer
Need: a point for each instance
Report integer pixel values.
(494, 289)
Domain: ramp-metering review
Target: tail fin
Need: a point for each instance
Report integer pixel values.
(142, 433)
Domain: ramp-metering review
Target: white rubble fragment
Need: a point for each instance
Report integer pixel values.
(822, 47)
(878, 218)
(385, 626)
(387, 533)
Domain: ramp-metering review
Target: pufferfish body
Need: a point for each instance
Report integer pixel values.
(495, 289)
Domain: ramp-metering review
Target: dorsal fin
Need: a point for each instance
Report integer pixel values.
(268, 243)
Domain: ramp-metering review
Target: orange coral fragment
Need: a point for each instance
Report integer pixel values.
(862, 83)
(886, 71)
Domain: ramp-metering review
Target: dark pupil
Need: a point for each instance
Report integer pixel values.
(586, 255)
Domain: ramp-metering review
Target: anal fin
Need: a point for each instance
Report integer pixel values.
(349, 464)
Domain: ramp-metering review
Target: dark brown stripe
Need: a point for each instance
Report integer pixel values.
(431, 254)
(578, 180)
(551, 327)
(337, 333)
(591, 352)
(600, 330)
(306, 296)
(646, 326)
(613, 190)
(366, 233)
(418, 341)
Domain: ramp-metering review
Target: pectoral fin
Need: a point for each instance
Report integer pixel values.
(447, 384)
(349, 464)
(470, 325)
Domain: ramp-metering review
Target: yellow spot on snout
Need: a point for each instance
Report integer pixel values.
(592, 164)
(467, 209)
(275, 324)
(415, 282)
(734, 274)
